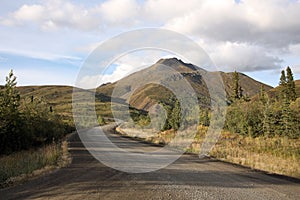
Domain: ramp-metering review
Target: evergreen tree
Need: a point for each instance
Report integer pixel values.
(9, 117)
(295, 108)
(10, 96)
(282, 81)
(176, 116)
(25, 123)
(240, 92)
(286, 119)
(262, 95)
(237, 89)
(236, 86)
(290, 85)
(282, 84)
(267, 120)
(168, 109)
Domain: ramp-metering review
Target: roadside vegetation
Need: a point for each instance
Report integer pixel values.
(280, 155)
(31, 132)
(277, 154)
(266, 115)
(23, 164)
(262, 132)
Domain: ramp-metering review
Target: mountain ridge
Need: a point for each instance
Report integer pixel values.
(145, 97)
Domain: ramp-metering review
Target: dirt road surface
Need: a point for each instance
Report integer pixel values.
(188, 178)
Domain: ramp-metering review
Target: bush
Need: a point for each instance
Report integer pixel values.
(26, 123)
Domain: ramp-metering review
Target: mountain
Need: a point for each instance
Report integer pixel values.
(145, 86)
(151, 92)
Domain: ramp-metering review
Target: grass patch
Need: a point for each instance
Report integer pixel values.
(26, 162)
(280, 155)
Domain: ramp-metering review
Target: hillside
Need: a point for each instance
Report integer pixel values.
(250, 86)
(142, 98)
(60, 98)
(297, 83)
(147, 95)
(274, 93)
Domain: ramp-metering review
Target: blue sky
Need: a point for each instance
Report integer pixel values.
(46, 42)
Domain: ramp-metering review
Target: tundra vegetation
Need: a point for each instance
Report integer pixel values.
(31, 132)
(262, 132)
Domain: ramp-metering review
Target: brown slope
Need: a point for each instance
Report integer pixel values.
(59, 97)
(144, 87)
(297, 83)
(250, 86)
(147, 95)
(275, 92)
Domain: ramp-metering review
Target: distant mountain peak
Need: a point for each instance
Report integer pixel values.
(173, 60)
(177, 64)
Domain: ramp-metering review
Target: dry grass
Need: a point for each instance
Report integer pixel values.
(279, 155)
(24, 164)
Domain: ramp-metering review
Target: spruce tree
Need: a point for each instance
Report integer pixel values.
(290, 85)
(282, 81)
(282, 84)
(262, 95)
(236, 87)
(11, 97)
(10, 139)
(267, 120)
(176, 116)
(286, 119)
(241, 92)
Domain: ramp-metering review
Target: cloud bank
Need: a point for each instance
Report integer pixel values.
(249, 35)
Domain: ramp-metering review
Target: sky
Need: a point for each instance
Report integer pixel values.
(46, 42)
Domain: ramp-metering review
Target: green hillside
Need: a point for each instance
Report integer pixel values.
(60, 98)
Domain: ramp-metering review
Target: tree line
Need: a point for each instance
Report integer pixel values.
(26, 123)
(269, 116)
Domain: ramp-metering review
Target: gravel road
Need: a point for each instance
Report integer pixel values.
(187, 178)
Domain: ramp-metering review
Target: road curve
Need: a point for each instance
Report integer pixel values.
(187, 178)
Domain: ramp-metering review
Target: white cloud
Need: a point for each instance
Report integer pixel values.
(163, 10)
(56, 14)
(93, 81)
(125, 65)
(296, 69)
(244, 57)
(52, 15)
(295, 49)
(249, 36)
(119, 11)
(272, 23)
(29, 13)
